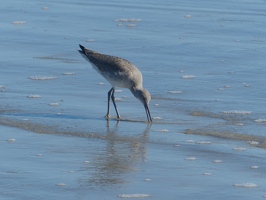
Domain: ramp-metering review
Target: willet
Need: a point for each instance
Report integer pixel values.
(119, 73)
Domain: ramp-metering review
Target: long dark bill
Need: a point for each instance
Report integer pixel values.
(82, 51)
(148, 113)
(82, 48)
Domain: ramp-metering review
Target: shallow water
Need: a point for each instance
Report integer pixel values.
(203, 64)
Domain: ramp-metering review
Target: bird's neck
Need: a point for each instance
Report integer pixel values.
(136, 91)
(134, 88)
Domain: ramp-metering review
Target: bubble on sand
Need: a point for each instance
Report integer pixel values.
(260, 120)
(134, 195)
(128, 20)
(162, 130)
(53, 104)
(254, 167)
(176, 145)
(118, 99)
(188, 77)
(175, 92)
(190, 141)
(87, 162)
(69, 73)
(253, 142)
(147, 179)
(239, 124)
(217, 161)
(207, 174)
(34, 96)
(245, 185)
(19, 22)
(60, 184)
(42, 78)
(11, 140)
(246, 85)
(90, 40)
(101, 83)
(131, 25)
(240, 149)
(157, 118)
(118, 91)
(191, 158)
(156, 104)
(237, 112)
(203, 142)
(187, 16)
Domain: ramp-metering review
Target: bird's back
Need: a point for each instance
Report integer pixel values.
(118, 71)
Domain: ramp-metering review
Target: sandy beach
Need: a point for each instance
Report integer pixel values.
(203, 63)
(41, 166)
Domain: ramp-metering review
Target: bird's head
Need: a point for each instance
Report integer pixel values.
(144, 96)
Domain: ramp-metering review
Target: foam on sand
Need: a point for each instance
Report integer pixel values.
(34, 96)
(245, 185)
(188, 76)
(19, 22)
(134, 195)
(42, 78)
(237, 112)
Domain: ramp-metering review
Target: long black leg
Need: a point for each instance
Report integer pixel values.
(113, 99)
(108, 104)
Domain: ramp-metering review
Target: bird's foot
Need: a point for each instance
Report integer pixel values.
(118, 117)
(107, 116)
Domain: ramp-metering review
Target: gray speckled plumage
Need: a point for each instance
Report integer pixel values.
(119, 73)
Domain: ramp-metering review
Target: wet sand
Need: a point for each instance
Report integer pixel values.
(204, 65)
(55, 166)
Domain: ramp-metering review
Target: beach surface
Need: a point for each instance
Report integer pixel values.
(204, 65)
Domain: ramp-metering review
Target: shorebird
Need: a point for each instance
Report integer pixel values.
(119, 73)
